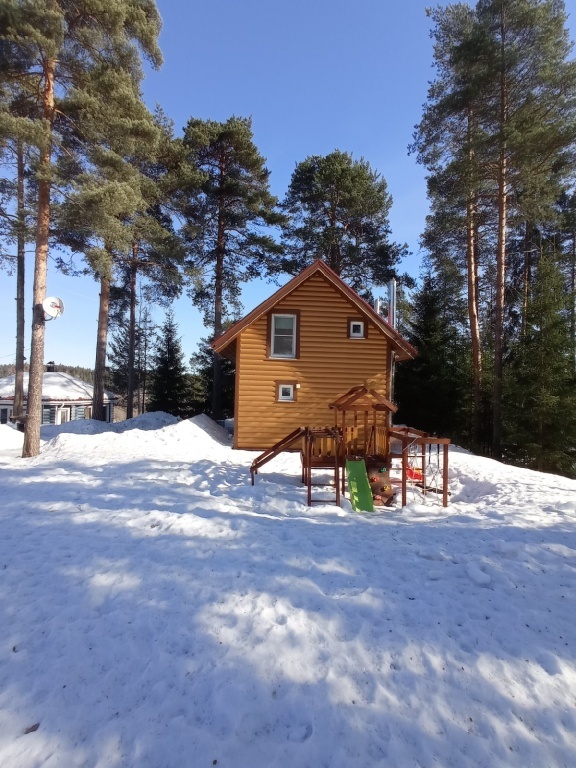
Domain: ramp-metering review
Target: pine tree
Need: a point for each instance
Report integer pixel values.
(54, 50)
(499, 128)
(450, 142)
(16, 204)
(228, 220)
(170, 383)
(337, 210)
(530, 115)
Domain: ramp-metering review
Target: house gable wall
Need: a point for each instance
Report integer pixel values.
(329, 364)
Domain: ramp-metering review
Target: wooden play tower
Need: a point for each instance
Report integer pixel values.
(362, 431)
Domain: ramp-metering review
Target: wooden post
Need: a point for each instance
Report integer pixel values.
(404, 468)
(309, 439)
(337, 465)
(445, 477)
(423, 454)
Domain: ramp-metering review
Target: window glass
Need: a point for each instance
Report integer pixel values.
(357, 329)
(286, 392)
(283, 335)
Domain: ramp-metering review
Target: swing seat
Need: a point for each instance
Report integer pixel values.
(414, 474)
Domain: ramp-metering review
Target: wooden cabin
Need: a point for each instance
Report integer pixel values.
(298, 351)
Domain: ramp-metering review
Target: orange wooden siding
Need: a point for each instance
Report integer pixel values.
(330, 363)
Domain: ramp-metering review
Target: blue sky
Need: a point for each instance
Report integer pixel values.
(314, 76)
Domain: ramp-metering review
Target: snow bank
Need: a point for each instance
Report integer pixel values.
(10, 438)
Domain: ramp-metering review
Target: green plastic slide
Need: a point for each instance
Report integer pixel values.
(358, 486)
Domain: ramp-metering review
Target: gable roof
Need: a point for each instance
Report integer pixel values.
(404, 350)
(376, 401)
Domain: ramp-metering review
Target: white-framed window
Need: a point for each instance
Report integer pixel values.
(286, 393)
(356, 329)
(283, 336)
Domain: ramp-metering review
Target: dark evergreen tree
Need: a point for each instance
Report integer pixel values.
(433, 390)
(337, 210)
(202, 364)
(228, 220)
(170, 383)
(119, 359)
(541, 384)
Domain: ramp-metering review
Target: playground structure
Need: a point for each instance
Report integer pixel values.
(365, 447)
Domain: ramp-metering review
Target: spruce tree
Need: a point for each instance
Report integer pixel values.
(432, 390)
(202, 365)
(170, 382)
(54, 50)
(227, 222)
(337, 210)
(540, 428)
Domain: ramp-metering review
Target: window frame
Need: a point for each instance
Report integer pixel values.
(283, 383)
(351, 321)
(294, 313)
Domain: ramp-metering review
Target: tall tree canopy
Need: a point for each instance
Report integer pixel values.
(228, 220)
(497, 136)
(60, 52)
(337, 210)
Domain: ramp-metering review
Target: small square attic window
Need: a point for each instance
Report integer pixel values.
(356, 329)
(286, 392)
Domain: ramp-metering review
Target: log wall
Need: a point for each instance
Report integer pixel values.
(329, 364)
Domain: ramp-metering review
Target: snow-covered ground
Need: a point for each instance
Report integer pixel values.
(156, 611)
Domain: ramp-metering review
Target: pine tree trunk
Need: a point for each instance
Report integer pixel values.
(20, 274)
(218, 311)
(500, 256)
(31, 445)
(132, 333)
(98, 409)
(473, 301)
(526, 277)
(473, 315)
(573, 299)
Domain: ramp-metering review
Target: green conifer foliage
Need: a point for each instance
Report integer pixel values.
(202, 364)
(432, 390)
(337, 210)
(59, 54)
(498, 136)
(540, 428)
(228, 220)
(170, 389)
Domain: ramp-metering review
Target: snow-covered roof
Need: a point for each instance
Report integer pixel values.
(55, 386)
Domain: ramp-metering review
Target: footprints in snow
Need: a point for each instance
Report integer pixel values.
(258, 727)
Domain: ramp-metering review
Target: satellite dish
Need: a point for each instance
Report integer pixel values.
(53, 307)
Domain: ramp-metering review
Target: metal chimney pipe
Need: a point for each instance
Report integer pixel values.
(392, 303)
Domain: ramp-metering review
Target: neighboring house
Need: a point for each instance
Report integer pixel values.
(64, 398)
(301, 349)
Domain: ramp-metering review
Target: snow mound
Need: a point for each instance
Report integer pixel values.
(77, 427)
(10, 438)
(210, 427)
(147, 421)
(143, 437)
